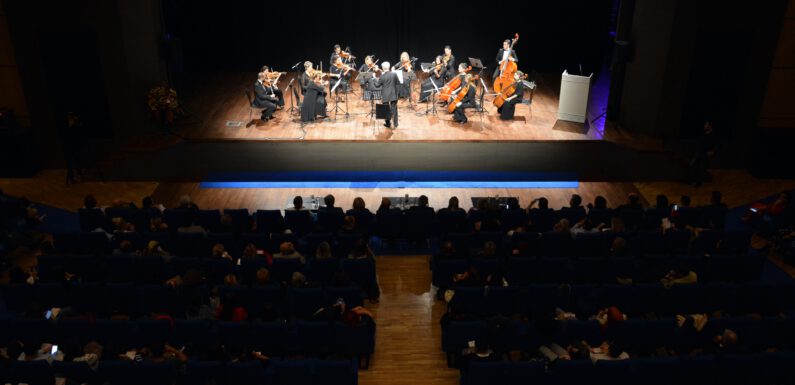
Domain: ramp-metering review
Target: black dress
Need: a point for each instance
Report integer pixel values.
(427, 86)
(314, 103)
(459, 115)
(509, 107)
(305, 80)
(450, 70)
(404, 89)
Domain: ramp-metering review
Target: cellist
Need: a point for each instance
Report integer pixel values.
(505, 53)
(509, 106)
(468, 101)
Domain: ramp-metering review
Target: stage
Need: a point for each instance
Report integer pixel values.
(222, 139)
(218, 110)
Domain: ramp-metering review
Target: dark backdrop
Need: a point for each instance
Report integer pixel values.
(243, 35)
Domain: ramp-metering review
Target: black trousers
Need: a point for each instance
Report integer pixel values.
(459, 114)
(267, 110)
(280, 96)
(393, 113)
(509, 108)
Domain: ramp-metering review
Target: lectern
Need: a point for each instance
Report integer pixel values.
(573, 103)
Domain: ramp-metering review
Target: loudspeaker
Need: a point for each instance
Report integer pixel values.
(622, 52)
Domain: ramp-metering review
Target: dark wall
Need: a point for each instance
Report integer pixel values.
(243, 35)
(95, 57)
(698, 60)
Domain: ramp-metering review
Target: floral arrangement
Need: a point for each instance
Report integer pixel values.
(163, 103)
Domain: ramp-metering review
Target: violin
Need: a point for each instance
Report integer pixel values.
(461, 94)
(344, 68)
(452, 85)
(372, 67)
(346, 55)
(506, 92)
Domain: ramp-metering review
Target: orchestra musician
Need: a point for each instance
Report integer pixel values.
(389, 84)
(367, 71)
(264, 99)
(346, 59)
(509, 106)
(468, 101)
(437, 77)
(306, 76)
(505, 53)
(272, 87)
(405, 65)
(340, 71)
(449, 61)
(314, 104)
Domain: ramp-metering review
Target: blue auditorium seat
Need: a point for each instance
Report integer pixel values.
(313, 337)
(241, 219)
(210, 220)
(335, 372)
(293, 372)
(245, 372)
(305, 302)
(322, 270)
(36, 372)
(299, 222)
(481, 373)
(202, 372)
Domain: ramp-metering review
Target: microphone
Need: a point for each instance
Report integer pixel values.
(296, 65)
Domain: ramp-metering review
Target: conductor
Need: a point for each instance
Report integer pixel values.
(388, 83)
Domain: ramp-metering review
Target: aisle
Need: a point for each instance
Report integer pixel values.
(408, 337)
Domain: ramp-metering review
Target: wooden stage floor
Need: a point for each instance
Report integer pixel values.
(221, 99)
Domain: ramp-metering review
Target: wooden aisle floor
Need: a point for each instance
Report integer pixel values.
(408, 348)
(221, 99)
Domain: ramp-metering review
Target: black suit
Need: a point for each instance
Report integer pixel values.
(500, 53)
(388, 83)
(263, 99)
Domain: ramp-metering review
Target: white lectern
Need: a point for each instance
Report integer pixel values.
(573, 103)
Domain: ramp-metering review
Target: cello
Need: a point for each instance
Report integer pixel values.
(506, 92)
(507, 69)
(461, 94)
(447, 91)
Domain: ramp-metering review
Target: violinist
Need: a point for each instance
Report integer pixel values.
(468, 101)
(342, 72)
(272, 86)
(405, 65)
(368, 71)
(264, 99)
(346, 56)
(436, 77)
(509, 106)
(306, 76)
(314, 104)
(505, 53)
(449, 62)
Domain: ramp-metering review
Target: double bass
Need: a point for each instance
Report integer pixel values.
(452, 85)
(506, 92)
(461, 94)
(507, 69)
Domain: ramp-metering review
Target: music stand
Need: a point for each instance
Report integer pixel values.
(337, 107)
(293, 96)
(476, 63)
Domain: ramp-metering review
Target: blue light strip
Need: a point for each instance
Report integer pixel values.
(394, 184)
